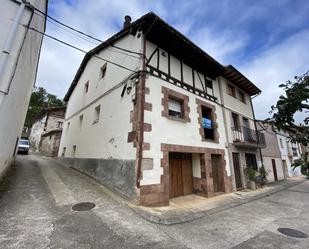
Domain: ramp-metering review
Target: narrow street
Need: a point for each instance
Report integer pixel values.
(36, 212)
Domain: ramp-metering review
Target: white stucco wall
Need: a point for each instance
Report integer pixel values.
(169, 131)
(268, 166)
(13, 106)
(108, 137)
(36, 132)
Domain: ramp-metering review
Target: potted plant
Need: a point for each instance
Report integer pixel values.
(263, 173)
(251, 175)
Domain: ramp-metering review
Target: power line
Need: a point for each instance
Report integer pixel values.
(81, 50)
(76, 30)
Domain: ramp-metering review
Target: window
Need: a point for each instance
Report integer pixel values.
(242, 97)
(175, 108)
(251, 161)
(59, 124)
(96, 114)
(81, 118)
(235, 119)
(63, 151)
(209, 83)
(294, 150)
(231, 90)
(103, 71)
(207, 123)
(74, 150)
(86, 88)
(281, 143)
(68, 127)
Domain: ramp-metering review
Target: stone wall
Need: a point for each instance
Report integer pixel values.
(49, 143)
(117, 175)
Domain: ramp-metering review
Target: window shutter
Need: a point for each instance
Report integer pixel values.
(174, 105)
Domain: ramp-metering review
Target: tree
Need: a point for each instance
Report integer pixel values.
(295, 100)
(40, 100)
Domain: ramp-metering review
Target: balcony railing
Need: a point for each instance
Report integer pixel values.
(247, 137)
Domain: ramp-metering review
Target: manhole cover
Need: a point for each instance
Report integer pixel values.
(292, 232)
(83, 206)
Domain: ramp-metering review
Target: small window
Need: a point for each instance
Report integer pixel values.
(208, 124)
(175, 108)
(74, 150)
(294, 150)
(59, 124)
(231, 90)
(81, 118)
(50, 137)
(251, 161)
(86, 88)
(96, 114)
(242, 97)
(209, 83)
(103, 71)
(68, 127)
(63, 151)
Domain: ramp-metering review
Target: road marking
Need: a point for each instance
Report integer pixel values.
(61, 193)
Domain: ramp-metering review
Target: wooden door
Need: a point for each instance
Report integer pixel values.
(180, 171)
(285, 169)
(274, 169)
(246, 127)
(237, 171)
(218, 182)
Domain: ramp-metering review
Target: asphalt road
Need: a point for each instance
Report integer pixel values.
(36, 212)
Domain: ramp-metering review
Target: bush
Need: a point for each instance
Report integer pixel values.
(251, 173)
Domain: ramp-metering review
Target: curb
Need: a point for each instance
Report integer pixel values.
(182, 217)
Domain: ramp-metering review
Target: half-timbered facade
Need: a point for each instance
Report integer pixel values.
(155, 123)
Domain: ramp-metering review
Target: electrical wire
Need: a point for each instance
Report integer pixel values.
(79, 49)
(76, 30)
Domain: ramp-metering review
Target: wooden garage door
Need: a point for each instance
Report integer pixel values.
(181, 181)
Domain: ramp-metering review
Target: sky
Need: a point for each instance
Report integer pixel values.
(268, 41)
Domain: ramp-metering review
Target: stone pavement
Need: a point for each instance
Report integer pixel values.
(191, 207)
(36, 212)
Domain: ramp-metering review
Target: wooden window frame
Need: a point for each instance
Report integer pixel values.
(233, 93)
(242, 96)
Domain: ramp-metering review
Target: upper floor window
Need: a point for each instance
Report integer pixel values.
(59, 124)
(68, 127)
(103, 71)
(86, 87)
(209, 83)
(242, 97)
(97, 111)
(175, 107)
(208, 124)
(231, 90)
(74, 150)
(63, 151)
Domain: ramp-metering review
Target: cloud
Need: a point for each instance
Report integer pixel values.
(275, 66)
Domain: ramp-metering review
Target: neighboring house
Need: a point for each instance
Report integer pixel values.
(46, 130)
(165, 129)
(19, 56)
(280, 153)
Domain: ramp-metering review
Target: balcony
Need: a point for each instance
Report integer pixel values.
(245, 137)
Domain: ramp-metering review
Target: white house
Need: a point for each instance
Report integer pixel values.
(19, 56)
(156, 121)
(280, 152)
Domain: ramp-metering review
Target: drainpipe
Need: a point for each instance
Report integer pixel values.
(7, 49)
(261, 156)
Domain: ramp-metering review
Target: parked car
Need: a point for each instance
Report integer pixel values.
(23, 146)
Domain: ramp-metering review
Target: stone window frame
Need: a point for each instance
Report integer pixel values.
(171, 94)
(201, 104)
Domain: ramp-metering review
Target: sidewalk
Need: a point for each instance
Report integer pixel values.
(192, 207)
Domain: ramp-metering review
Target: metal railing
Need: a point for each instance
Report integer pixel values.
(246, 135)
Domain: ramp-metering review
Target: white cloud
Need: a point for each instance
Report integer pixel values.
(275, 66)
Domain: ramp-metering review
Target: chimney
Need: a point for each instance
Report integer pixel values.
(127, 22)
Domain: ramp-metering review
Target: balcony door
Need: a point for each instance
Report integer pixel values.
(246, 129)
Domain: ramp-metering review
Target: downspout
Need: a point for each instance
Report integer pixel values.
(141, 116)
(7, 49)
(261, 156)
